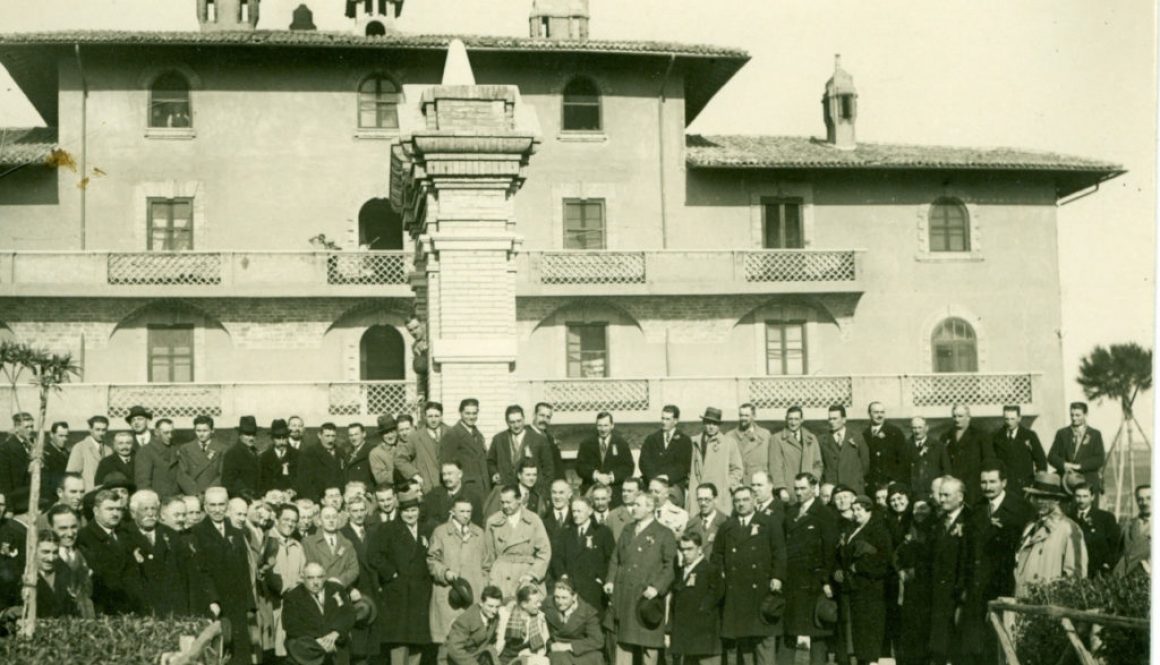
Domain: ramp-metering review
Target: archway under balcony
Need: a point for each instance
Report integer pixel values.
(589, 338)
(369, 342)
(168, 341)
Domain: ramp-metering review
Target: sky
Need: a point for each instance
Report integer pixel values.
(1069, 77)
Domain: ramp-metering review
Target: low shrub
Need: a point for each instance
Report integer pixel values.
(1040, 639)
(124, 640)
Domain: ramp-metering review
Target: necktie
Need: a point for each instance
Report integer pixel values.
(358, 530)
(320, 598)
(600, 518)
(221, 527)
(1011, 435)
(603, 449)
(559, 517)
(152, 536)
(204, 448)
(333, 543)
(708, 521)
(668, 438)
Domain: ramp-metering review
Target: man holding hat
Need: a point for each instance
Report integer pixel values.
(695, 619)
(278, 464)
(1052, 546)
(240, 468)
(715, 460)
(382, 456)
(397, 551)
(318, 616)
(138, 420)
(641, 573)
(516, 546)
(455, 560)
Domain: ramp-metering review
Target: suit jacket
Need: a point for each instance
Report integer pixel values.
(318, 469)
(301, 616)
(160, 569)
(694, 614)
(84, 458)
(14, 476)
(114, 587)
(559, 473)
(552, 525)
(997, 534)
(1101, 534)
(675, 461)
(500, 459)
(358, 465)
(470, 637)
(241, 471)
(1021, 457)
(1089, 454)
(708, 535)
(114, 464)
(53, 600)
(277, 474)
(438, 503)
(617, 461)
(967, 456)
(847, 464)
(419, 456)
(80, 582)
(197, 470)
(224, 566)
(920, 468)
(885, 455)
(950, 560)
(748, 557)
(584, 558)
(754, 448)
(617, 519)
(155, 467)
(382, 458)
(53, 467)
(340, 565)
(466, 447)
(811, 541)
(581, 629)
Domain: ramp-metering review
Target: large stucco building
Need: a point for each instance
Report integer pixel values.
(542, 208)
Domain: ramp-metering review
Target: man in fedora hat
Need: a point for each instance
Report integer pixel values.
(138, 419)
(278, 464)
(382, 456)
(1052, 546)
(715, 460)
(240, 467)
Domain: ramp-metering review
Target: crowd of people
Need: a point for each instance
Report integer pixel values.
(419, 543)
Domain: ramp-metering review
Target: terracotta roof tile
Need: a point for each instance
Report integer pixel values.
(20, 146)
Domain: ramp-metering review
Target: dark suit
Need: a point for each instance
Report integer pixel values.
(241, 471)
(358, 466)
(14, 477)
(155, 467)
(471, 638)
(197, 470)
(885, 455)
(114, 464)
(749, 557)
(967, 454)
(502, 461)
(438, 503)
(401, 563)
(581, 630)
(1088, 454)
(811, 540)
(950, 569)
(1101, 534)
(318, 469)
(584, 558)
(275, 473)
(465, 446)
(304, 622)
(223, 563)
(617, 460)
(708, 533)
(694, 616)
(160, 570)
(114, 587)
(53, 467)
(558, 470)
(364, 640)
(1021, 456)
(845, 464)
(53, 600)
(674, 461)
(921, 466)
(997, 534)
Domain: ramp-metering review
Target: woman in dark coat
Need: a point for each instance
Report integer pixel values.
(898, 518)
(912, 563)
(399, 557)
(864, 554)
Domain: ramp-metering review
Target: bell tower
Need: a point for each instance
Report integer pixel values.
(231, 15)
(558, 19)
(374, 18)
(840, 107)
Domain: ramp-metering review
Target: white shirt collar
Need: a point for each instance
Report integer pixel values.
(998, 501)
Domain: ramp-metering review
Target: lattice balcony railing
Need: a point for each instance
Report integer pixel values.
(178, 268)
(592, 268)
(598, 395)
(371, 398)
(367, 268)
(800, 266)
(818, 392)
(981, 389)
(167, 400)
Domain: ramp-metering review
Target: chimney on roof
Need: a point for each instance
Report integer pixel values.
(223, 15)
(840, 107)
(303, 19)
(558, 19)
(374, 18)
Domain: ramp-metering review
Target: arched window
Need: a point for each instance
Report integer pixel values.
(950, 229)
(954, 347)
(169, 102)
(379, 226)
(382, 355)
(581, 106)
(378, 103)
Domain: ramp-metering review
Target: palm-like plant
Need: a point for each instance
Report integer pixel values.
(48, 371)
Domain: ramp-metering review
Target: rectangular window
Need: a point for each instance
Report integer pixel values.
(170, 354)
(170, 225)
(785, 348)
(587, 350)
(783, 224)
(584, 224)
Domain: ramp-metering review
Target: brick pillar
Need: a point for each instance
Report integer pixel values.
(456, 179)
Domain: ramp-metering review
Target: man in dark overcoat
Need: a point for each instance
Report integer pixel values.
(358, 461)
(924, 458)
(156, 463)
(1079, 448)
(950, 551)
(750, 553)
(364, 640)
(811, 540)
(1018, 448)
(845, 457)
(317, 616)
(604, 458)
(886, 443)
(582, 551)
(967, 448)
(515, 444)
(199, 462)
(668, 452)
(1101, 533)
(320, 466)
(222, 556)
(642, 566)
(240, 467)
(106, 551)
(464, 443)
(122, 461)
(278, 464)
(695, 612)
(397, 551)
(156, 558)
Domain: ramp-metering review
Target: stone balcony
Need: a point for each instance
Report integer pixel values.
(316, 402)
(205, 274)
(640, 400)
(688, 272)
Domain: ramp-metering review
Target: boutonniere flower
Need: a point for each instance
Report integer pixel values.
(957, 532)
(589, 541)
(650, 540)
(285, 468)
(881, 434)
(210, 454)
(612, 450)
(137, 555)
(341, 551)
(423, 540)
(8, 550)
(753, 529)
(692, 580)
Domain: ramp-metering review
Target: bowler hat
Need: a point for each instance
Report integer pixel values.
(117, 479)
(138, 410)
(650, 612)
(772, 608)
(408, 499)
(365, 611)
(712, 415)
(247, 425)
(825, 612)
(387, 424)
(279, 429)
(460, 597)
(1046, 484)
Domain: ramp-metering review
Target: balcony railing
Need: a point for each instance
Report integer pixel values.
(577, 400)
(684, 271)
(232, 272)
(315, 401)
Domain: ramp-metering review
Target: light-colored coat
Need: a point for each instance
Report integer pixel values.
(85, 457)
(382, 459)
(419, 456)
(754, 448)
(289, 562)
(1051, 548)
(341, 565)
(720, 465)
(451, 551)
(510, 552)
(1136, 544)
(787, 458)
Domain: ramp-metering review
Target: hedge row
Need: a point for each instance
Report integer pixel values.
(128, 640)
